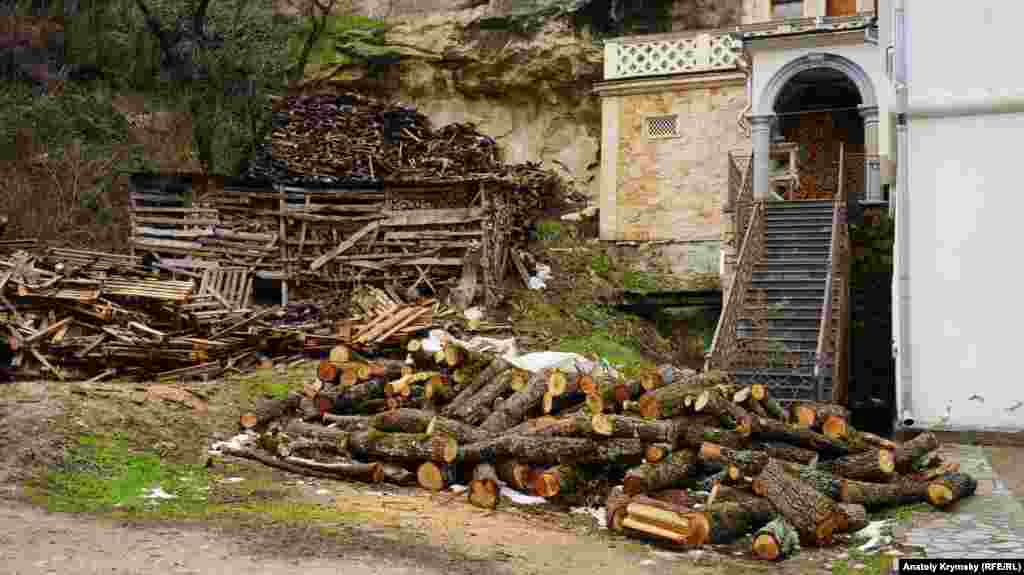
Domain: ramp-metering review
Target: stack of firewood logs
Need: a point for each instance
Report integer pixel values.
(680, 457)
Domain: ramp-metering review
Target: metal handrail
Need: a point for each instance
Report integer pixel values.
(828, 352)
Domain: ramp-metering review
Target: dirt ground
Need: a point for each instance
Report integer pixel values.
(342, 527)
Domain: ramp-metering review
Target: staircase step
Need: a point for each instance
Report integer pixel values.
(780, 263)
(802, 322)
(800, 205)
(799, 234)
(762, 273)
(760, 281)
(796, 252)
(788, 334)
(781, 345)
(802, 372)
(798, 217)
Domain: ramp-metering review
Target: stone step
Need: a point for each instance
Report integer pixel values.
(760, 281)
(802, 322)
(785, 218)
(823, 241)
(773, 293)
(788, 274)
(800, 205)
(803, 334)
(796, 252)
(801, 372)
(778, 263)
(800, 234)
(782, 345)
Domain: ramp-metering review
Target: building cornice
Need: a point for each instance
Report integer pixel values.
(806, 40)
(648, 85)
(953, 106)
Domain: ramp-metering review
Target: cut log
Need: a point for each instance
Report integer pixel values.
(269, 410)
(514, 473)
(656, 452)
(557, 403)
(561, 479)
(770, 429)
(514, 409)
(438, 390)
(627, 391)
(475, 409)
(626, 426)
(776, 540)
(371, 472)
(463, 433)
(668, 401)
(436, 476)
(725, 521)
(648, 477)
(398, 475)
(615, 510)
(738, 464)
(365, 472)
(876, 495)
(823, 482)
(713, 401)
(347, 422)
(950, 488)
(339, 354)
(786, 452)
(664, 515)
(814, 516)
(692, 431)
(929, 474)
(354, 398)
(483, 489)
(632, 524)
(328, 371)
(855, 517)
(404, 446)
(775, 409)
(403, 421)
(862, 441)
(576, 425)
(553, 450)
(909, 451)
(875, 466)
(814, 415)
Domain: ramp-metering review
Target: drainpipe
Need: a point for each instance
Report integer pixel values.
(901, 277)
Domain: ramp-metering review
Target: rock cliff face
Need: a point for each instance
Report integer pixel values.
(521, 70)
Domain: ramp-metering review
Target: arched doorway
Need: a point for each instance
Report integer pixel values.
(818, 111)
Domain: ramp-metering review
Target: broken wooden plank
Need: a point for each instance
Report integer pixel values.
(348, 243)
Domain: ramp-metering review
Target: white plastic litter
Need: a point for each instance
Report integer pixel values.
(878, 533)
(232, 480)
(646, 562)
(668, 556)
(597, 513)
(541, 360)
(158, 493)
(434, 343)
(237, 442)
(520, 498)
(323, 492)
(539, 280)
(459, 488)
(474, 314)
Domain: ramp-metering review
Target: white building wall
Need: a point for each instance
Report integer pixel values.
(965, 285)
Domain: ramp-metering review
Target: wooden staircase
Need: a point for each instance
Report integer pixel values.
(785, 313)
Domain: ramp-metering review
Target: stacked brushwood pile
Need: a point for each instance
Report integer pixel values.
(698, 459)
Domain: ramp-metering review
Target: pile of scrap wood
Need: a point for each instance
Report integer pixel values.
(680, 457)
(330, 138)
(96, 315)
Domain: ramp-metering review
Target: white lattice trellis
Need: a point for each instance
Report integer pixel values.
(699, 53)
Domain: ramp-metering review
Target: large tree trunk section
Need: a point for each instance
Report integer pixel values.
(483, 489)
(814, 516)
(439, 390)
(404, 446)
(553, 450)
(403, 420)
(855, 517)
(354, 398)
(514, 409)
(397, 475)
(876, 495)
(776, 541)
(669, 401)
(269, 410)
(786, 452)
(910, 451)
(436, 476)
(561, 479)
(738, 464)
(713, 401)
(656, 452)
(823, 482)
(475, 409)
(648, 477)
(337, 437)
(372, 472)
(876, 466)
(635, 525)
(725, 521)
(929, 474)
(514, 473)
(813, 415)
(950, 488)
(482, 379)
(348, 422)
(770, 429)
(862, 441)
(692, 432)
(463, 433)
(626, 426)
(615, 510)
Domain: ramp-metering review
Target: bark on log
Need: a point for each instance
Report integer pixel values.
(514, 473)
(615, 510)
(770, 429)
(627, 391)
(876, 466)
(436, 476)
(814, 516)
(475, 409)
(876, 495)
(560, 479)
(724, 521)
(365, 472)
(692, 431)
(270, 409)
(558, 403)
(403, 421)
(668, 401)
(355, 397)
(514, 409)
(909, 451)
(823, 482)
(775, 409)
(626, 426)
(398, 475)
(713, 401)
(483, 489)
(929, 474)
(576, 425)
(855, 517)
(553, 450)
(861, 439)
(648, 477)
(738, 464)
(489, 374)
(269, 461)
(404, 446)
(463, 433)
(347, 422)
(786, 452)
(337, 437)
(678, 497)
(776, 540)
(950, 488)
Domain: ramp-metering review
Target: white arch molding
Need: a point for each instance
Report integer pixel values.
(852, 70)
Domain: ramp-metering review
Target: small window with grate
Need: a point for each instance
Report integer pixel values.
(663, 126)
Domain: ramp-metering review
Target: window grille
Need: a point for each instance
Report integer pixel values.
(663, 127)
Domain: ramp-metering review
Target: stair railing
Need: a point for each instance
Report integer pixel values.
(725, 347)
(830, 352)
